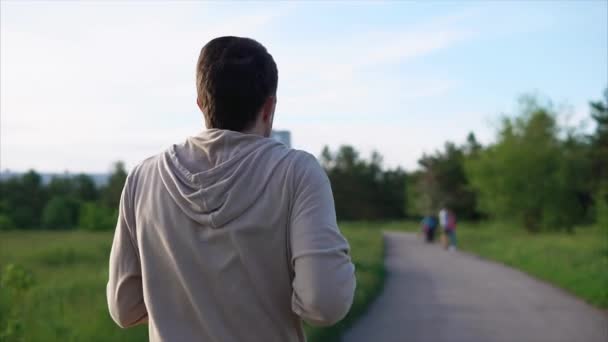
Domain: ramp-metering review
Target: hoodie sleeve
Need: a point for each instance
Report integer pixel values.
(324, 282)
(124, 290)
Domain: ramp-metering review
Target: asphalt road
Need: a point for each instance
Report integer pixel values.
(432, 295)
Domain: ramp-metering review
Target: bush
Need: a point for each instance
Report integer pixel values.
(15, 281)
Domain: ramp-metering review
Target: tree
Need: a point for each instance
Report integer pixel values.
(60, 213)
(362, 188)
(67, 193)
(96, 217)
(472, 146)
(602, 207)
(528, 174)
(84, 188)
(599, 140)
(6, 223)
(112, 191)
(326, 158)
(22, 200)
(599, 158)
(442, 181)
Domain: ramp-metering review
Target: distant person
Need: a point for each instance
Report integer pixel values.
(230, 235)
(443, 220)
(443, 217)
(450, 229)
(429, 227)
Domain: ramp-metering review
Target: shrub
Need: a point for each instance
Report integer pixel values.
(15, 281)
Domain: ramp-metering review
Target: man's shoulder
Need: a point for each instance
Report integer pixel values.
(306, 168)
(304, 161)
(144, 167)
(147, 164)
(302, 156)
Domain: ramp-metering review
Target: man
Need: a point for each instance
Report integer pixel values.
(230, 236)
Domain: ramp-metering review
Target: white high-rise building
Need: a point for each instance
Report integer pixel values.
(282, 136)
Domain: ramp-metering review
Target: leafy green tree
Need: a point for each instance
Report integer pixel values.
(85, 188)
(6, 223)
(22, 200)
(599, 140)
(60, 186)
(80, 187)
(442, 181)
(472, 147)
(112, 191)
(362, 188)
(414, 207)
(326, 158)
(599, 159)
(60, 213)
(94, 217)
(602, 207)
(528, 174)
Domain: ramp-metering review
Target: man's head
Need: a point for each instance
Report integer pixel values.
(236, 83)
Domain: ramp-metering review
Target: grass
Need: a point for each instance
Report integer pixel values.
(577, 263)
(66, 301)
(367, 251)
(69, 270)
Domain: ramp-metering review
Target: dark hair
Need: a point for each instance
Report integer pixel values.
(234, 77)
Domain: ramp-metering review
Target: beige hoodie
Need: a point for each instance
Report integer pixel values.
(228, 237)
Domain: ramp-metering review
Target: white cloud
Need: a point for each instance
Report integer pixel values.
(84, 84)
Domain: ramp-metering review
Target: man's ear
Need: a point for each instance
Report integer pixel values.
(268, 108)
(200, 106)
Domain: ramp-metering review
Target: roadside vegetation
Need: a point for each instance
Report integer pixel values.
(52, 285)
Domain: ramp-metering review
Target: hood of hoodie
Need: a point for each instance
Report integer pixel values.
(215, 176)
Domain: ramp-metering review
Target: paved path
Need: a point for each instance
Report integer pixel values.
(432, 295)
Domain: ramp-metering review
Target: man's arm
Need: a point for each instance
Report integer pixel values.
(324, 282)
(124, 291)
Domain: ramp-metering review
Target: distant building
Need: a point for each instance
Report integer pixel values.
(282, 136)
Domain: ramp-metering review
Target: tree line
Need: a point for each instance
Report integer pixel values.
(63, 203)
(539, 172)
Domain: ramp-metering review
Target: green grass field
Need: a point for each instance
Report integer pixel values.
(576, 262)
(66, 301)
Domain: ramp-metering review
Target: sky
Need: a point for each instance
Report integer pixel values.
(86, 83)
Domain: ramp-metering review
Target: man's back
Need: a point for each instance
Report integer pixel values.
(229, 237)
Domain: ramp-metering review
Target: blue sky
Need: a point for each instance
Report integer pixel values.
(86, 83)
